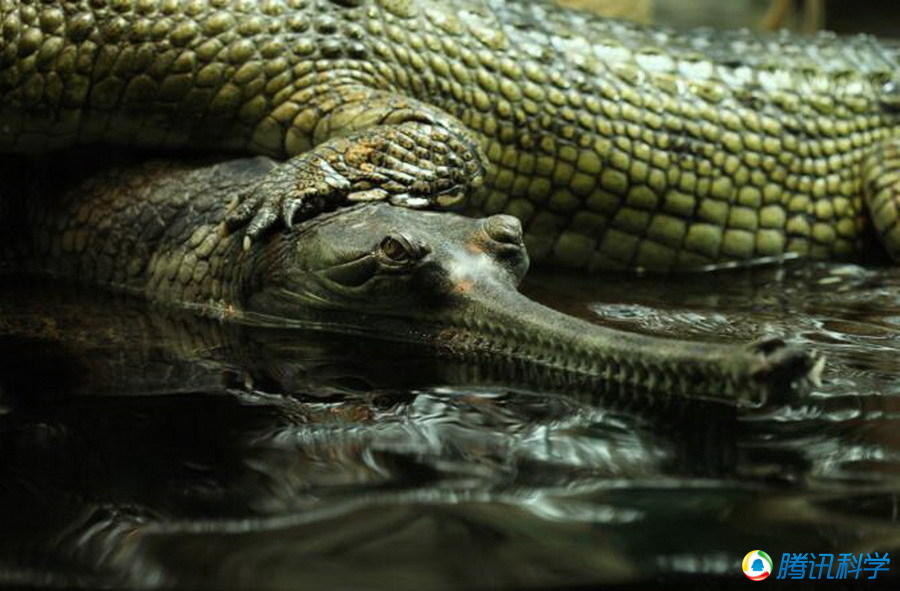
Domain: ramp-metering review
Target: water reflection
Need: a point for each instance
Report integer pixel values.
(147, 448)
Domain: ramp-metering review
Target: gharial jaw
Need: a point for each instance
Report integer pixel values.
(450, 284)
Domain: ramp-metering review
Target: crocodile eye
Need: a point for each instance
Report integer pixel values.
(400, 249)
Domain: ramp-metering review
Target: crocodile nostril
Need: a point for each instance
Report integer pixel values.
(504, 228)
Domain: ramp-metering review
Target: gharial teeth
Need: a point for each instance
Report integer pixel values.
(815, 374)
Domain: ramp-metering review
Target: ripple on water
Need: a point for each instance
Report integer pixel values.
(453, 485)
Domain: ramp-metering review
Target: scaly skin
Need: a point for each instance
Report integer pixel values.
(616, 145)
(439, 280)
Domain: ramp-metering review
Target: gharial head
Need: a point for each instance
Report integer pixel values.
(390, 261)
(450, 282)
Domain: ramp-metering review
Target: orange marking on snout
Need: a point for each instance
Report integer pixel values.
(464, 286)
(474, 247)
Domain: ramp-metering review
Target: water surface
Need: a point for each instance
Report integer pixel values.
(146, 448)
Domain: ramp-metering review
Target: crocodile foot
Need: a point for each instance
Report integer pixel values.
(413, 164)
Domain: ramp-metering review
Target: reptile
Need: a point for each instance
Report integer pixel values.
(617, 145)
(437, 280)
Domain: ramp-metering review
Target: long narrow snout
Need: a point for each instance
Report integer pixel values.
(498, 323)
(451, 283)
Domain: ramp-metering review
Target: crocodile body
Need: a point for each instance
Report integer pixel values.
(617, 145)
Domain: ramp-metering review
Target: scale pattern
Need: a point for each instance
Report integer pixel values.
(617, 145)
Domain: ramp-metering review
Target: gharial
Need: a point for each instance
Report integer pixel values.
(617, 145)
(440, 281)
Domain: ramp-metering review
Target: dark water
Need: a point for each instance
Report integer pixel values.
(145, 448)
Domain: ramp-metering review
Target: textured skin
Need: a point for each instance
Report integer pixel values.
(155, 230)
(616, 145)
(441, 281)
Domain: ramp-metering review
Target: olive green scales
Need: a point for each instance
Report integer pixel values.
(617, 145)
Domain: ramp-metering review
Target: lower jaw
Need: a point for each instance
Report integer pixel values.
(496, 362)
(501, 356)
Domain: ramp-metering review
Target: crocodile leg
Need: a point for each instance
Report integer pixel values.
(356, 144)
(882, 177)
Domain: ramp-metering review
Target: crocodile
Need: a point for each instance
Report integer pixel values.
(617, 145)
(442, 281)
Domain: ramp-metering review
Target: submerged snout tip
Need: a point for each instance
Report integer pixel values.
(786, 368)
